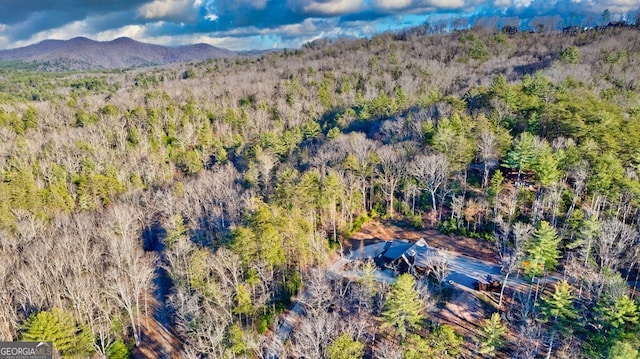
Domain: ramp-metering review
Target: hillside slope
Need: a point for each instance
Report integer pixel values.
(81, 53)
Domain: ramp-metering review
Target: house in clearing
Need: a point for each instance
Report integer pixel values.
(406, 257)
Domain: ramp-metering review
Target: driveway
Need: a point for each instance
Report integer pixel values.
(463, 270)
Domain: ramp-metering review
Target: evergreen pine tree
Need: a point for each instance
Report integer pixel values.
(492, 330)
(242, 298)
(60, 328)
(546, 168)
(542, 253)
(623, 350)
(118, 350)
(345, 347)
(615, 314)
(522, 155)
(404, 307)
(557, 307)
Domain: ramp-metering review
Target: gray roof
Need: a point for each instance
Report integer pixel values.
(394, 249)
(418, 250)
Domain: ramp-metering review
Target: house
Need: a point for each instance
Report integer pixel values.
(570, 30)
(406, 257)
(620, 23)
(487, 285)
(510, 29)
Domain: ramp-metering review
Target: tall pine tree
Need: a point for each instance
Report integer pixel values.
(542, 253)
(492, 330)
(557, 307)
(404, 308)
(59, 327)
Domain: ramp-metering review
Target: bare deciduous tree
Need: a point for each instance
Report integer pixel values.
(487, 152)
(132, 271)
(200, 321)
(391, 172)
(439, 268)
(431, 172)
(511, 255)
(316, 331)
(612, 247)
(387, 350)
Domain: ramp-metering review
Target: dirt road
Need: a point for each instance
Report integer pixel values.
(158, 339)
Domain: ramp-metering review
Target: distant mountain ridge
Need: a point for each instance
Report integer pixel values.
(81, 53)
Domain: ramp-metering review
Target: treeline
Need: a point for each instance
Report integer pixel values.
(251, 171)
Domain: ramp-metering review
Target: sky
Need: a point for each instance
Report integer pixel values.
(264, 24)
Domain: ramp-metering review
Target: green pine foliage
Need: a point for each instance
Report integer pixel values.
(492, 331)
(118, 350)
(242, 298)
(624, 350)
(446, 343)
(404, 309)
(522, 155)
(442, 342)
(276, 237)
(558, 307)
(618, 314)
(97, 189)
(188, 161)
(453, 138)
(69, 338)
(571, 55)
(345, 347)
(542, 251)
(236, 341)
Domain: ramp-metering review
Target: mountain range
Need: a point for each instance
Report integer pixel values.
(81, 53)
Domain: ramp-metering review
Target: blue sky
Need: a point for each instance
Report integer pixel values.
(262, 24)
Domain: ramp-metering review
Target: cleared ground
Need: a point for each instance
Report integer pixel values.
(387, 231)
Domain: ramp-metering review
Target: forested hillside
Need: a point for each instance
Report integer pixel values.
(81, 53)
(211, 196)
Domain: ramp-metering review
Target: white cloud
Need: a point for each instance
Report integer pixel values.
(70, 30)
(308, 27)
(238, 5)
(426, 6)
(284, 36)
(133, 31)
(227, 42)
(233, 43)
(332, 7)
(81, 28)
(256, 4)
(619, 6)
(522, 3)
(445, 4)
(391, 4)
(176, 10)
(161, 16)
(211, 17)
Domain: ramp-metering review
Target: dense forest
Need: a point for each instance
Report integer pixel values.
(209, 198)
